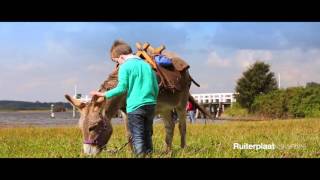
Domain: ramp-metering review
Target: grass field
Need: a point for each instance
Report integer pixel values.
(292, 139)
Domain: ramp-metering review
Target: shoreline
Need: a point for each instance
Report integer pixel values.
(34, 125)
(32, 111)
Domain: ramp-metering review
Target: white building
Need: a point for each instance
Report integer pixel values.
(215, 98)
(226, 98)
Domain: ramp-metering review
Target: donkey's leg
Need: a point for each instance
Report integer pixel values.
(182, 125)
(169, 126)
(126, 126)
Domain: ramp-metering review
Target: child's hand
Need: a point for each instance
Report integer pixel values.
(92, 93)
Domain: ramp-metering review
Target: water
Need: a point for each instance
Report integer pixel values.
(37, 118)
(42, 118)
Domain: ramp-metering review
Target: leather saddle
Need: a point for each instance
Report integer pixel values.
(169, 78)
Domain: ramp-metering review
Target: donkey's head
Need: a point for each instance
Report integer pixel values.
(95, 116)
(96, 128)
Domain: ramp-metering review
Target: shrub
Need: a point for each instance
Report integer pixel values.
(291, 102)
(236, 111)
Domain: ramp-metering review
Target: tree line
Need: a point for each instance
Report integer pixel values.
(24, 105)
(258, 93)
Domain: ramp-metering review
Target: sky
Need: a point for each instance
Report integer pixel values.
(42, 61)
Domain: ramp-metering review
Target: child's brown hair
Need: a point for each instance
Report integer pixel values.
(118, 48)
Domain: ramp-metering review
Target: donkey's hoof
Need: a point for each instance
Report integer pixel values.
(166, 153)
(183, 146)
(168, 150)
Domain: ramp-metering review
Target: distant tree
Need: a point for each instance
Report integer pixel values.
(21, 105)
(312, 84)
(255, 81)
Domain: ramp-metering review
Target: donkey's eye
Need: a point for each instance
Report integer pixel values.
(93, 127)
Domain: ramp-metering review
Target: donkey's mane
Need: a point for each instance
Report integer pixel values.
(108, 84)
(111, 81)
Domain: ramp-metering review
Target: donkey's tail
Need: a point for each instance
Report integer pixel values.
(198, 106)
(194, 81)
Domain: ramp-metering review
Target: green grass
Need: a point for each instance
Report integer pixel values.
(293, 138)
(236, 111)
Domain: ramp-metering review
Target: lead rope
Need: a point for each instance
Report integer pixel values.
(118, 150)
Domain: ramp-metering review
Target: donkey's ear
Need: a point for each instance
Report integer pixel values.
(75, 102)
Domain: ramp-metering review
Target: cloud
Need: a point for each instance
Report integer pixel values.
(215, 60)
(258, 35)
(96, 68)
(85, 27)
(70, 81)
(60, 48)
(297, 66)
(179, 25)
(48, 59)
(247, 57)
(204, 86)
(29, 66)
(240, 58)
(34, 83)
